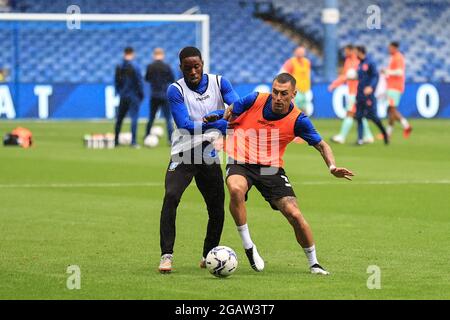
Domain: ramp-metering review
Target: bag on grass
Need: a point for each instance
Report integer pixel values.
(19, 137)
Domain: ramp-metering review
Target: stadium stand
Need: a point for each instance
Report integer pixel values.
(237, 41)
(417, 24)
(243, 47)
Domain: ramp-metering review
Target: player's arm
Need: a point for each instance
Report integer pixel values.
(396, 69)
(181, 117)
(287, 67)
(148, 74)
(340, 80)
(373, 79)
(328, 157)
(140, 82)
(240, 106)
(373, 75)
(229, 96)
(118, 79)
(305, 130)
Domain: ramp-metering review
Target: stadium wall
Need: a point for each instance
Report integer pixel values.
(97, 101)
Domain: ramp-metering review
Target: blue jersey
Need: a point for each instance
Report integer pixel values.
(367, 77)
(303, 126)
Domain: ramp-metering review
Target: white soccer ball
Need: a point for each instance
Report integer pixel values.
(157, 131)
(352, 74)
(151, 141)
(221, 261)
(125, 138)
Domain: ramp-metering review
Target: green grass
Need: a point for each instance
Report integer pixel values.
(59, 206)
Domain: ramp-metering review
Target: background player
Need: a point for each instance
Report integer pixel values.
(160, 76)
(300, 68)
(349, 76)
(366, 103)
(251, 166)
(190, 99)
(129, 85)
(395, 76)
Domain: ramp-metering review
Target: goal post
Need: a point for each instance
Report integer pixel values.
(65, 63)
(69, 18)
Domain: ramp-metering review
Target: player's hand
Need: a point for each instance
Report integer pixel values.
(368, 91)
(342, 173)
(228, 113)
(210, 118)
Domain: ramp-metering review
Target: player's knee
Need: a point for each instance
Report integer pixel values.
(294, 216)
(172, 196)
(237, 192)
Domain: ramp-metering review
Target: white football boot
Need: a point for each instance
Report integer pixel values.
(337, 139)
(165, 265)
(255, 259)
(318, 269)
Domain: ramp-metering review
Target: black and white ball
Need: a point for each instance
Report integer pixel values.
(221, 261)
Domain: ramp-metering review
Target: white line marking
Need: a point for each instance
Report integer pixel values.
(393, 182)
(161, 184)
(84, 185)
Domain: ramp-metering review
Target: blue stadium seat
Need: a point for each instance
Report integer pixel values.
(243, 48)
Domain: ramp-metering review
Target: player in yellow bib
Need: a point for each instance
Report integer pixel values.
(300, 68)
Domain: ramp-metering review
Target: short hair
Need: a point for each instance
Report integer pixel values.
(361, 49)
(349, 46)
(128, 50)
(284, 78)
(158, 51)
(395, 44)
(187, 52)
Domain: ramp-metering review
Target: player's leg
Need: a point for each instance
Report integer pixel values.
(134, 115)
(360, 110)
(122, 112)
(347, 122)
(394, 97)
(168, 116)
(367, 133)
(154, 106)
(372, 115)
(209, 180)
(303, 233)
(238, 185)
(178, 178)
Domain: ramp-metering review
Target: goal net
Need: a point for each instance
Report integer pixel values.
(72, 51)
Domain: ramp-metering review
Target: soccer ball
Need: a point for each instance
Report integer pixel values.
(157, 131)
(151, 141)
(125, 138)
(221, 261)
(352, 74)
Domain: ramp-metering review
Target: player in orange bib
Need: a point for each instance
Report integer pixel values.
(395, 75)
(261, 126)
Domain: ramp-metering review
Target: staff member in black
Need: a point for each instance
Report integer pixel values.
(160, 76)
(129, 86)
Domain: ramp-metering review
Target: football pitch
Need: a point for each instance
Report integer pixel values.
(64, 205)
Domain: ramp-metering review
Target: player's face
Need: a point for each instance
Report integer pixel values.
(299, 52)
(392, 50)
(282, 95)
(348, 52)
(360, 55)
(192, 69)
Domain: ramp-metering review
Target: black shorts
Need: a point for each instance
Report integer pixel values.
(271, 182)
